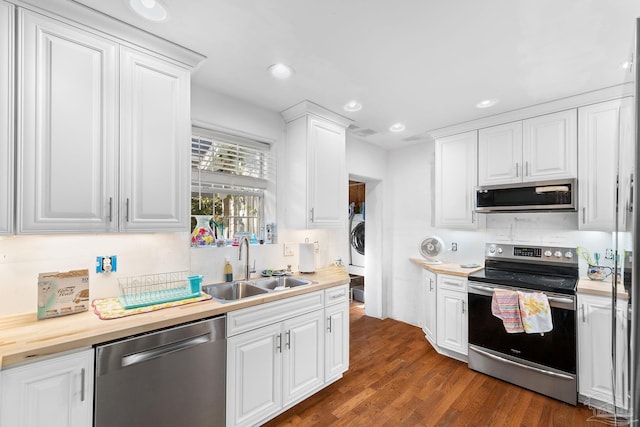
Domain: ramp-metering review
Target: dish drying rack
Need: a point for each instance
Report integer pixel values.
(151, 289)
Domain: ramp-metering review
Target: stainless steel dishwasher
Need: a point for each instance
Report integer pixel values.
(168, 378)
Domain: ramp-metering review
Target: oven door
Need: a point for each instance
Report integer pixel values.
(545, 363)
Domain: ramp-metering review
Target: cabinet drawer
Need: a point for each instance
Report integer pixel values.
(455, 283)
(250, 318)
(337, 294)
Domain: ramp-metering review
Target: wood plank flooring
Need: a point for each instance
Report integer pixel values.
(397, 379)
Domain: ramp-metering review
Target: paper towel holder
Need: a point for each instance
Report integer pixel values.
(307, 257)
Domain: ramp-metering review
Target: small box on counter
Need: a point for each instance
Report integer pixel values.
(63, 293)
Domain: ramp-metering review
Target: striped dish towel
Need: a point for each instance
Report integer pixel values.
(504, 305)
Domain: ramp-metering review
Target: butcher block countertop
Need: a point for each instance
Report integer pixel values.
(600, 288)
(23, 337)
(445, 267)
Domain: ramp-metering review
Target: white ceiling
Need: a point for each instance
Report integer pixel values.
(425, 63)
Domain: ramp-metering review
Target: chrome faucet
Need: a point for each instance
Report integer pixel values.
(248, 270)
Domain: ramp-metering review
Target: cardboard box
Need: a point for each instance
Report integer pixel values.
(60, 294)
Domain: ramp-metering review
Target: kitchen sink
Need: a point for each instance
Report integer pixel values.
(281, 282)
(226, 292)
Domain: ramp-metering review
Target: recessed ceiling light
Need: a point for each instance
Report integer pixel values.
(398, 127)
(280, 71)
(486, 103)
(352, 105)
(152, 10)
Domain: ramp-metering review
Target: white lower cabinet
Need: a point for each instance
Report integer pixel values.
(595, 363)
(429, 305)
(452, 328)
(276, 353)
(56, 392)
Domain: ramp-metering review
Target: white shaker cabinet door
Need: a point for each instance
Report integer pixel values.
(154, 143)
(455, 180)
(336, 340)
(254, 375)
(500, 154)
(452, 320)
(66, 136)
(6, 116)
(52, 393)
(550, 146)
(303, 355)
(429, 306)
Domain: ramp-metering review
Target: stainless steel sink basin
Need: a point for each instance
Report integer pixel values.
(233, 291)
(281, 282)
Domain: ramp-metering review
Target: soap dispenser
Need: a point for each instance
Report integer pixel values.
(228, 270)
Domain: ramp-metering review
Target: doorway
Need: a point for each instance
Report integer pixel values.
(357, 217)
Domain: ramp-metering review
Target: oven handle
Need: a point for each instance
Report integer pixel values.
(531, 368)
(551, 299)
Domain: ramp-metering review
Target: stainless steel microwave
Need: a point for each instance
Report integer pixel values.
(556, 195)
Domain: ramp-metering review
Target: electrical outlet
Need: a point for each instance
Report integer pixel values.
(608, 254)
(106, 264)
(316, 246)
(288, 249)
(454, 247)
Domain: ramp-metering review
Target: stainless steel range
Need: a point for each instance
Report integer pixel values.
(545, 363)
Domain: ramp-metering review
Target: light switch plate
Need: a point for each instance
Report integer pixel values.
(288, 249)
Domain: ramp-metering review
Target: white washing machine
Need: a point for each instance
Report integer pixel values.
(356, 245)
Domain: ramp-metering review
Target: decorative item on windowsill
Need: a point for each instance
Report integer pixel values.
(202, 234)
(218, 225)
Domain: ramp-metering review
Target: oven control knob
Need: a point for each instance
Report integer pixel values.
(492, 249)
(557, 254)
(568, 254)
(499, 250)
(547, 253)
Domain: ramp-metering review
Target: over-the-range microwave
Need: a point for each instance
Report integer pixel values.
(556, 195)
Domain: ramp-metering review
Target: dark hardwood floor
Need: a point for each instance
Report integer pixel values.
(396, 378)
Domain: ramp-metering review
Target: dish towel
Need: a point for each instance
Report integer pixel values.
(505, 306)
(535, 312)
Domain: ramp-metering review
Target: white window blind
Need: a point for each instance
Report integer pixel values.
(228, 164)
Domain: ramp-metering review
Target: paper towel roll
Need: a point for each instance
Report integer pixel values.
(307, 258)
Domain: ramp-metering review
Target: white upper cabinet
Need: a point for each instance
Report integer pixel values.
(154, 143)
(550, 146)
(600, 129)
(103, 133)
(536, 149)
(6, 116)
(455, 180)
(315, 177)
(500, 154)
(67, 127)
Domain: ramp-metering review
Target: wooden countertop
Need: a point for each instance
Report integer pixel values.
(600, 288)
(445, 267)
(23, 337)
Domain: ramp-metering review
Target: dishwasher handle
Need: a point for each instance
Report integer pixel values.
(154, 353)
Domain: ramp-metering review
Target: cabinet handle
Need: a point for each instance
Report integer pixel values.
(631, 193)
(430, 285)
(110, 209)
(82, 385)
(473, 217)
(329, 324)
(127, 211)
(584, 215)
(526, 168)
(584, 320)
(336, 296)
(279, 342)
(517, 170)
(462, 307)
(311, 215)
(288, 339)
